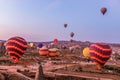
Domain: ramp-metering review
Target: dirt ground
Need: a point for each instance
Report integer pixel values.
(67, 65)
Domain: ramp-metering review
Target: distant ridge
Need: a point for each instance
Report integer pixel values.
(74, 41)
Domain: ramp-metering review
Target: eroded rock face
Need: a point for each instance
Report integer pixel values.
(39, 74)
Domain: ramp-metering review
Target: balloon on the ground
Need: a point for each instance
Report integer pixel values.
(16, 47)
(103, 10)
(54, 52)
(40, 45)
(31, 44)
(100, 53)
(86, 52)
(43, 52)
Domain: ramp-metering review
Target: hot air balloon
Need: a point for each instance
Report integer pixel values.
(65, 25)
(31, 44)
(43, 52)
(71, 40)
(71, 34)
(86, 52)
(103, 10)
(53, 52)
(100, 53)
(16, 47)
(55, 40)
(40, 45)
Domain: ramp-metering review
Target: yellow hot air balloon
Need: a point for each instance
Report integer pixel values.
(86, 52)
(31, 44)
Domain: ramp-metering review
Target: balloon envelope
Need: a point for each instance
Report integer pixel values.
(100, 53)
(31, 44)
(65, 25)
(40, 45)
(43, 51)
(103, 10)
(54, 52)
(86, 52)
(16, 46)
(55, 40)
(71, 34)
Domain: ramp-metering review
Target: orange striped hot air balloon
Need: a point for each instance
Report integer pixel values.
(16, 47)
(43, 52)
(54, 52)
(100, 53)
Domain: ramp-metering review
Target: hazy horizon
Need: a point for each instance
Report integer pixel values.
(43, 20)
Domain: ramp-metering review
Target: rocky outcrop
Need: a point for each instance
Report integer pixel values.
(7, 75)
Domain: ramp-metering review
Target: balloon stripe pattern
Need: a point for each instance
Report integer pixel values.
(100, 52)
(16, 46)
(52, 53)
(43, 52)
(16, 55)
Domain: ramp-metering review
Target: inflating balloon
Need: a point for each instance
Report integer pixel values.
(100, 53)
(16, 46)
(40, 45)
(54, 52)
(55, 40)
(86, 52)
(43, 52)
(31, 44)
(65, 25)
(103, 10)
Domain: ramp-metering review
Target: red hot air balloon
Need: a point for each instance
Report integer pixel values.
(103, 10)
(16, 46)
(100, 53)
(55, 40)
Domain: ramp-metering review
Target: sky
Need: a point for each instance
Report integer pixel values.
(43, 20)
